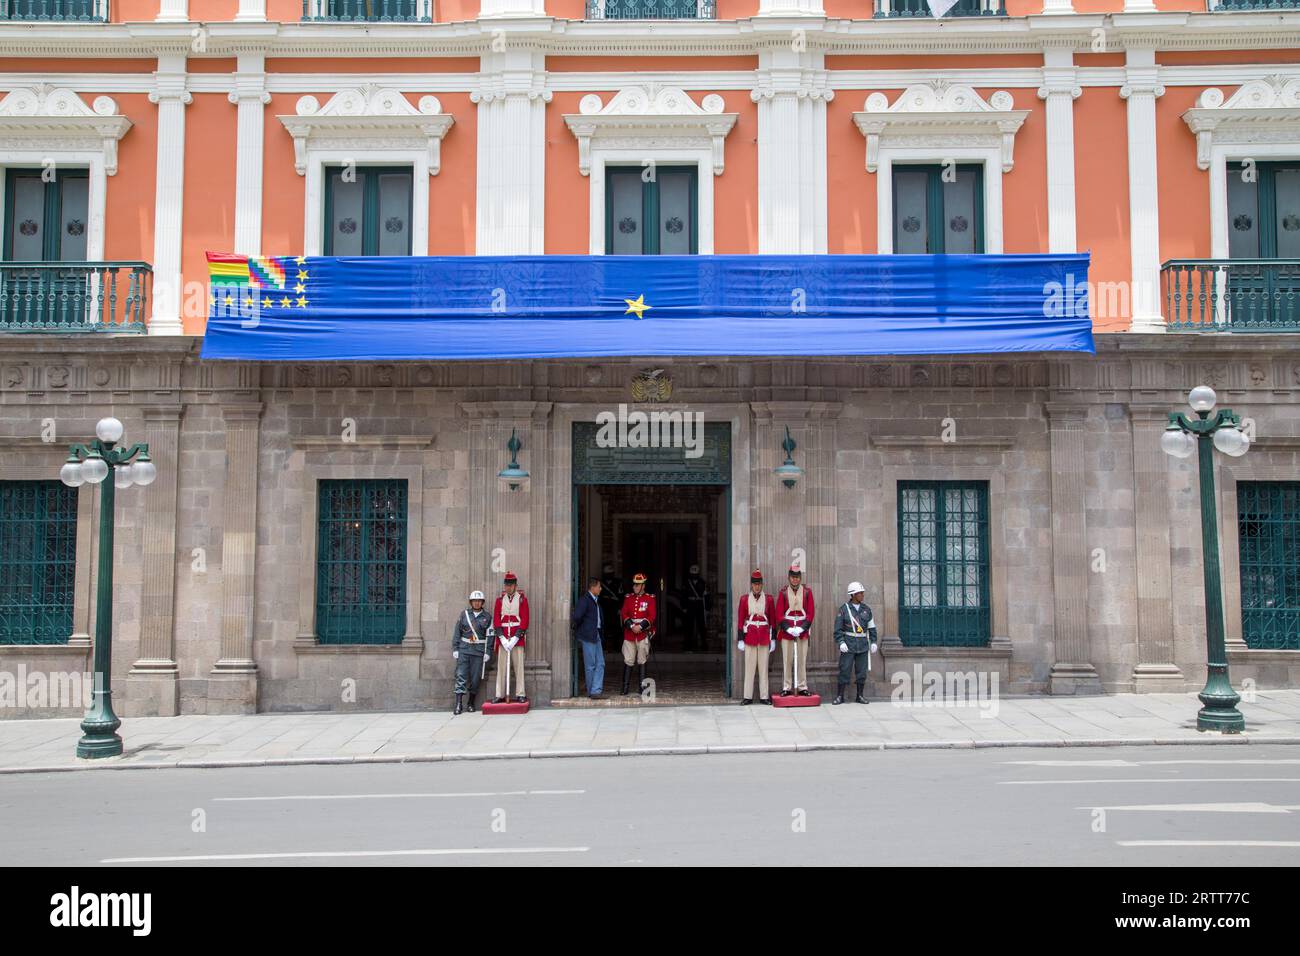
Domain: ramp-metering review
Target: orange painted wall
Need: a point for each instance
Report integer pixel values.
(370, 65)
(641, 64)
(283, 190)
(452, 191)
(1197, 57)
(129, 203)
(851, 190)
(1184, 189)
(1101, 190)
(133, 11)
(208, 217)
(967, 61)
(1024, 189)
(104, 65)
(216, 11)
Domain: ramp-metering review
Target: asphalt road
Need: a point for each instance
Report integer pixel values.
(1106, 806)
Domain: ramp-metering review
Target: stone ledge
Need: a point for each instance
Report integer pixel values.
(42, 650)
(1263, 655)
(310, 646)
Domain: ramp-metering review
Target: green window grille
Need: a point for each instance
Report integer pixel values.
(943, 564)
(38, 558)
(361, 562)
(1268, 529)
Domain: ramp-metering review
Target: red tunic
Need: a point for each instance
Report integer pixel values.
(783, 608)
(511, 627)
(759, 632)
(638, 606)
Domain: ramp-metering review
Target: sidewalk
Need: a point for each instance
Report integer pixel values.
(279, 739)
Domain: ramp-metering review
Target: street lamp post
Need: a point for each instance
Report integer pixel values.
(103, 463)
(1182, 437)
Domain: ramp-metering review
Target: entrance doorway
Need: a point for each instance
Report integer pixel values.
(650, 511)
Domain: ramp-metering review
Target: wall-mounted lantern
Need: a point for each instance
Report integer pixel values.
(512, 475)
(788, 472)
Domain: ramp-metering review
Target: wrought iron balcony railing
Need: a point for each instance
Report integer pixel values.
(368, 11)
(80, 11)
(74, 296)
(1231, 295)
(920, 8)
(651, 10)
(1238, 5)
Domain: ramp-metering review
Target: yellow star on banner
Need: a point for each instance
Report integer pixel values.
(267, 303)
(302, 302)
(285, 302)
(302, 274)
(300, 288)
(300, 261)
(637, 305)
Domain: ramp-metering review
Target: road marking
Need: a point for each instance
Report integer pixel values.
(1142, 763)
(322, 855)
(1160, 780)
(396, 796)
(1275, 843)
(1201, 808)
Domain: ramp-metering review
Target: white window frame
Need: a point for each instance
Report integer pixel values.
(321, 160)
(989, 158)
(701, 159)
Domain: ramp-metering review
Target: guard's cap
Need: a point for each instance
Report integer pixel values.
(476, 596)
(638, 578)
(795, 570)
(756, 576)
(695, 569)
(510, 578)
(856, 588)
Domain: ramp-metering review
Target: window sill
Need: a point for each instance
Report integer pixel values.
(998, 649)
(66, 650)
(307, 644)
(1263, 655)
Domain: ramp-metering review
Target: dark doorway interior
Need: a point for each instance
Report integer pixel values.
(662, 530)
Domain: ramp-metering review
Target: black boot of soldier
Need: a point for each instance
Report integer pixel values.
(627, 678)
(862, 699)
(640, 687)
(460, 706)
(470, 704)
(839, 693)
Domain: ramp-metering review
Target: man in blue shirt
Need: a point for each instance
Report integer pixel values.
(586, 623)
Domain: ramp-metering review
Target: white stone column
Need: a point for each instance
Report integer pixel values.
(173, 11)
(791, 94)
(511, 99)
(1059, 90)
(493, 9)
(1058, 6)
(791, 8)
(171, 96)
(1141, 88)
(249, 96)
(251, 10)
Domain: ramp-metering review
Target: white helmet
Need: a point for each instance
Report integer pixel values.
(476, 596)
(856, 588)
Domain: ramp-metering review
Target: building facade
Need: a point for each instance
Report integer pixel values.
(315, 527)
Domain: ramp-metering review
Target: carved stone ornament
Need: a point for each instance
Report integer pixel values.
(54, 119)
(650, 118)
(652, 385)
(940, 114)
(1261, 111)
(368, 118)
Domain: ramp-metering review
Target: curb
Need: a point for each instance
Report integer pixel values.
(202, 763)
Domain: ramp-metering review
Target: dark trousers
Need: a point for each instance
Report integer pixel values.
(695, 625)
(468, 668)
(847, 661)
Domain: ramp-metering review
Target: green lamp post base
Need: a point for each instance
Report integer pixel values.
(99, 736)
(1220, 711)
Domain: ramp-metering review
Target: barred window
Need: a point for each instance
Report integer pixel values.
(38, 557)
(1268, 529)
(361, 562)
(943, 564)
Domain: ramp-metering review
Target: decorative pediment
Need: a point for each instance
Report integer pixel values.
(1261, 111)
(650, 117)
(939, 115)
(57, 119)
(366, 119)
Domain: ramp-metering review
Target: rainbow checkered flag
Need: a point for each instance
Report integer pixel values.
(249, 287)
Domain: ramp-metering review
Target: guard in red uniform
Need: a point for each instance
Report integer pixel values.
(638, 617)
(756, 636)
(510, 625)
(794, 618)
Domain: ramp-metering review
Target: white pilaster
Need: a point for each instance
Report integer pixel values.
(1140, 6)
(792, 94)
(511, 99)
(251, 10)
(171, 96)
(174, 11)
(493, 9)
(791, 8)
(1059, 90)
(1141, 88)
(1058, 6)
(249, 96)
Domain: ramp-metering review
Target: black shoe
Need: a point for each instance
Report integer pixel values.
(460, 707)
(596, 696)
(786, 692)
(627, 677)
(747, 701)
(805, 692)
(498, 700)
(470, 705)
(839, 694)
(766, 700)
(521, 699)
(861, 697)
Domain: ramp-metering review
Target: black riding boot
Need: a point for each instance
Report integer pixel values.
(470, 705)
(460, 706)
(862, 699)
(640, 687)
(627, 678)
(839, 693)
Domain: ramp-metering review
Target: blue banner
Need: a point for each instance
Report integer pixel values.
(319, 308)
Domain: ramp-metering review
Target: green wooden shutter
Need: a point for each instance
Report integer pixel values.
(943, 564)
(1268, 531)
(38, 557)
(361, 562)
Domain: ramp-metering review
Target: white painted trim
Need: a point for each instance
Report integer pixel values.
(249, 96)
(1059, 90)
(173, 11)
(1220, 156)
(314, 213)
(890, 156)
(171, 95)
(56, 119)
(700, 157)
(254, 10)
(96, 192)
(1141, 89)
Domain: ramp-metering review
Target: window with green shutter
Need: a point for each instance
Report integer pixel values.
(1268, 529)
(38, 557)
(361, 562)
(943, 563)
(938, 209)
(651, 212)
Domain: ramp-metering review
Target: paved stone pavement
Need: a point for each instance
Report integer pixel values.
(277, 739)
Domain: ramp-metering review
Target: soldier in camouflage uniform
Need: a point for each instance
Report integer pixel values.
(855, 633)
(469, 644)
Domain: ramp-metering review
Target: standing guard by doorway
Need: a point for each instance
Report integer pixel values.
(697, 611)
(756, 636)
(794, 616)
(510, 621)
(855, 633)
(469, 648)
(638, 616)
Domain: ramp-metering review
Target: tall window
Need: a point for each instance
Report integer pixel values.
(45, 215)
(361, 562)
(654, 217)
(38, 556)
(943, 563)
(938, 209)
(368, 211)
(1268, 529)
(1264, 223)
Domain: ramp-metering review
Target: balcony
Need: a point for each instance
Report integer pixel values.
(651, 10)
(73, 11)
(1231, 295)
(1236, 6)
(920, 8)
(74, 296)
(367, 11)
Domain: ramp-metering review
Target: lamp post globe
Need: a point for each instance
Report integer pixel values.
(70, 473)
(1177, 443)
(1202, 398)
(94, 470)
(109, 430)
(143, 472)
(1231, 441)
